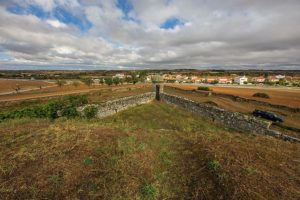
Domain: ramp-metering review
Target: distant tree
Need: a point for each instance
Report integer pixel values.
(215, 82)
(101, 81)
(60, 83)
(109, 81)
(88, 81)
(116, 80)
(128, 79)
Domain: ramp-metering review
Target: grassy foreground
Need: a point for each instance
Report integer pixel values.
(153, 151)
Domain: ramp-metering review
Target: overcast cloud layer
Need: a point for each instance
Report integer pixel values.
(136, 34)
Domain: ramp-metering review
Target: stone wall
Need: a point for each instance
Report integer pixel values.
(112, 107)
(240, 99)
(233, 120)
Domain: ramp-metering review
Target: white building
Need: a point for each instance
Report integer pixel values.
(120, 76)
(240, 80)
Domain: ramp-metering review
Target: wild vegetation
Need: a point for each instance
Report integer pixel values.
(261, 95)
(204, 88)
(153, 151)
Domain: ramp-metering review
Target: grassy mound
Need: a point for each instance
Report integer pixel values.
(153, 151)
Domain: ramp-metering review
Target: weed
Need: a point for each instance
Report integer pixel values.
(251, 170)
(148, 191)
(88, 161)
(214, 165)
(90, 112)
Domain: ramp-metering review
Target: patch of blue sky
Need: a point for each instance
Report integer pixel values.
(67, 17)
(31, 9)
(126, 7)
(59, 13)
(171, 23)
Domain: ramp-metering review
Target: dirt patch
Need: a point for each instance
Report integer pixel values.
(10, 85)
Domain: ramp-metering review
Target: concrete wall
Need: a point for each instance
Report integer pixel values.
(111, 107)
(234, 120)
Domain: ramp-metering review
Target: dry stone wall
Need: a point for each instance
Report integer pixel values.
(112, 107)
(234, 120)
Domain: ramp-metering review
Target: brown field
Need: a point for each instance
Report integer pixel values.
(9, 85)
(58, 91)
(282, 96)
(95, 95)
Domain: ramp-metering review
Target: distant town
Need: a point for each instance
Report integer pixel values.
(267, 78)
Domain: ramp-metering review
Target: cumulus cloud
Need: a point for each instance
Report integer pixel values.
(149, 34)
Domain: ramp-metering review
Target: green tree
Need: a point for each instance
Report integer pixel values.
(116, 80)
(88, 81)
(109, 81)
(60, 83)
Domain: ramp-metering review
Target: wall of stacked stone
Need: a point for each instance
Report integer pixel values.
(233, 120)
(241, 99)
(112, 107)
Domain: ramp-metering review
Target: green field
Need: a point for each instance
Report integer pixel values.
(152, 151)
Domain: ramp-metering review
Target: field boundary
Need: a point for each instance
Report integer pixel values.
(233, 120)
(114, 106)
(239, 99)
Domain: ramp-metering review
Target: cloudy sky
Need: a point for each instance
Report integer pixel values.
(149, 34)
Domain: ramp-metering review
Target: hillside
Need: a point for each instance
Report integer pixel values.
(153, 151)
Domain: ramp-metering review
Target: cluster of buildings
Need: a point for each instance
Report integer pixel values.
(241, 80)
(229, 79)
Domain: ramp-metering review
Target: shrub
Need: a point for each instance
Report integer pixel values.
(213, 165)
(261, 95)
(204, 88)
(148, 191)
(67, 106)
(90, 112)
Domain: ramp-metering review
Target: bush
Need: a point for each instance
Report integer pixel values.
(148, 191)
(213, 165)
(204, 88)
(66, 106)
(90, 112)
(261, 95)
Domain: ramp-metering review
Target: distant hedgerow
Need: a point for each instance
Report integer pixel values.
(261, 95)
(204, 88)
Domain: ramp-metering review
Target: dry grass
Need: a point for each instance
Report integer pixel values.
(153, 151)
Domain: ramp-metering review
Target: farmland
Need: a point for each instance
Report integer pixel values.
(153, 151)
(9, 85)
(283, 96)
(292, 119)
(53, 90)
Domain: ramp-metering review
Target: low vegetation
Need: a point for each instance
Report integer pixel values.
(147, 152)
(204, 88)
(261, 95)
(65, 106)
